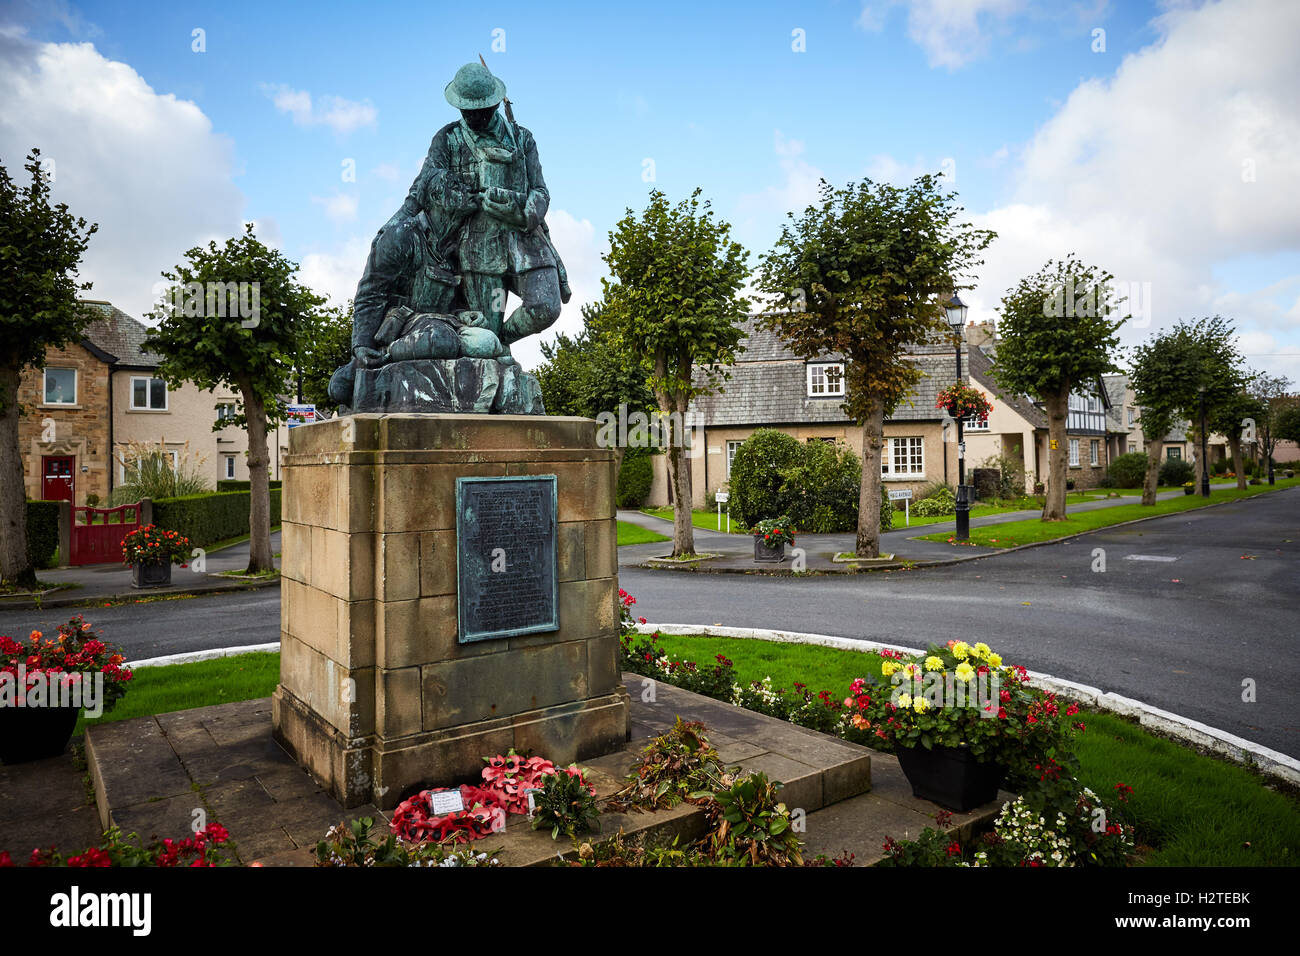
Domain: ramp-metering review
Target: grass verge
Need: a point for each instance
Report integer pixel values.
(1013, 533)
(635, 534)
(705, 520)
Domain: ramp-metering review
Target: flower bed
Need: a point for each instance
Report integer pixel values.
(961, 695)
(204, 848)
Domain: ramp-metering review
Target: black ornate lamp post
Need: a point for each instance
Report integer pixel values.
(1205, 464)
(956, 310)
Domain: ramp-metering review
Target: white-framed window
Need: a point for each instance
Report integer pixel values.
(60, 386)
(148, 393)
(230, 466)
(825, 379)
(1074, 453)
(903, 458)
(1094, 453)
(225, 411)
(731, 454)
(1131, 414)
(1173, 452)
(975, 424)
(1132, 447)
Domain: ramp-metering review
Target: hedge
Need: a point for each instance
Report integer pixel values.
(234, 484)
(42, 532)
(208, 518)
(635, 477)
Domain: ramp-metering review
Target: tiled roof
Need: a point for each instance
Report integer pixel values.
(115, 332)
(768, 386)
(981, 369)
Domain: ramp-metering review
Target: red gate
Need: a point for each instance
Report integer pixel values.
(97, 533)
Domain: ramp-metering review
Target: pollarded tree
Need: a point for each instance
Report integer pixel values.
(1279, 414)
(674, 298)
(233, 317)
(866, 274)
(1057, 333)
(40, 249)
(1161, 369)
(1230, 418)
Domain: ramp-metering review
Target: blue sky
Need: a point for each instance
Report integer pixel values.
(1132, 155)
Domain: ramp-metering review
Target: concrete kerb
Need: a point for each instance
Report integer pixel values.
(1268, 762)
(209, 655)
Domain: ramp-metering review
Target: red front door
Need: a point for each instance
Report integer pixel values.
(56, 478)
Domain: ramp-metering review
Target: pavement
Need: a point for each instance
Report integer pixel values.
(112, 582)
(736, 551)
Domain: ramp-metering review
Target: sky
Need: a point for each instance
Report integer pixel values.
(1159, 141)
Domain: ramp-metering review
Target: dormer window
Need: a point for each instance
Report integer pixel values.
(826, 380)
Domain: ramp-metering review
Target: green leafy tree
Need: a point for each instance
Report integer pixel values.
(1057, 334)
(673, 296)
(205, 338)
(1229, 418)
(865, 274)
(1161, 369)
(324, 345)
(1280, 413)
(590, 374)
(41, 245)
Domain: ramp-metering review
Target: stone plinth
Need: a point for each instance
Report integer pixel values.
(377, 697)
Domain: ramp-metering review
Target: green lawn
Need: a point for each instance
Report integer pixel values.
(162, 690)
(706, 519)
(635, 534)
(1014, 533)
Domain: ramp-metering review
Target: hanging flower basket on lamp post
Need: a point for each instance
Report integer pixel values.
(961, 401)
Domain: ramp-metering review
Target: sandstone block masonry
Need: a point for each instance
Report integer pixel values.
(377, 697)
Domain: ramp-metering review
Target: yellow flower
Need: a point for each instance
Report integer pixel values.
(995, 660)
(920, 705)
(960, 649)
(904, 700)
(888, 667)
(964, 671)
(982, 650)
(933, 663)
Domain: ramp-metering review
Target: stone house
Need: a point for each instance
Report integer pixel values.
(1125, 427)
(94, 397)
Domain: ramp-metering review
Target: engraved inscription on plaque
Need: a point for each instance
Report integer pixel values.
(506, 557)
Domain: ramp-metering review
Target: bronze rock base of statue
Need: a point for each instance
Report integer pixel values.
(484, 386)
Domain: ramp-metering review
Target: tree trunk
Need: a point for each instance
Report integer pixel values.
(869, 492)
(679, 471)
(1058, 407)
(1234, 443)
(259, 503)
(1151, 481)
(15, 564)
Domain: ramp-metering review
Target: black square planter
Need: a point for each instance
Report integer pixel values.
(950, 776)
(151, 575)
(763, 553)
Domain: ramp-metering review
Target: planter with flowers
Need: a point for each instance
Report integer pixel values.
(1189, 487)
(771, 535)
(151, 551)
(960, 721)
(962, 401)
(44, 684)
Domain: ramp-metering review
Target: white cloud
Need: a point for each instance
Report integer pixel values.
(334, 274)
(339, 114)
(340, 207)
(146, 166)
(951, 32)
(1142, 174)
(798, 189)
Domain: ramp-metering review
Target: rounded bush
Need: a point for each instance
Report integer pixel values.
(635, 476)
(941, 502)
(1176, 471)
(757, 483)
(1128, 470)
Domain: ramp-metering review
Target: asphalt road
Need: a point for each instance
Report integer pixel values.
(1181, 634)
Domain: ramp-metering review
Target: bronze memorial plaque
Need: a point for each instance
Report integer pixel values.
(506, 578)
